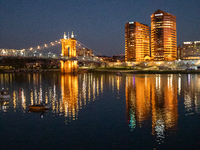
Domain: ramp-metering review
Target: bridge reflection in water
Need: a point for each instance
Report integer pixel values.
(69, 89)
(151, 100)
(66, 93)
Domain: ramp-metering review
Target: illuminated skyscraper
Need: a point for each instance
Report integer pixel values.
(136, 41)
(163, 36)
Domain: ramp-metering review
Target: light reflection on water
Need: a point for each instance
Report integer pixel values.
(67, 93)
(150, 99)
(155, 97)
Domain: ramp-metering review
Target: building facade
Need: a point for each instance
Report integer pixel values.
(179, 52)
(191, 50)
(163, 36)
(84, 52)
(136, 41)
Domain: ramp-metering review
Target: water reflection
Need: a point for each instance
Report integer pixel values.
(155, 97)
(69, 102)
(191, 93)
(149, 98)
(66, 93)
(4, 104)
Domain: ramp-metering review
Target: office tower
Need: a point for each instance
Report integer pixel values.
(191, 50)
(163, 36)
(136, 41)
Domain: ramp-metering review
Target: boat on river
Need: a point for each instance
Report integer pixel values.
(4, 94)
(41, 106)
(119, 74)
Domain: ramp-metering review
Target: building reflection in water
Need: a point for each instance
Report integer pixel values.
(191, 93)
(155, 98)
(148, 97)
(152, 97)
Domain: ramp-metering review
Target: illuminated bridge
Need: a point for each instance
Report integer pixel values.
(12, 53)
(40, 52)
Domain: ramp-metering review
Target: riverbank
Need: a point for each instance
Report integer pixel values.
(27, 70)
(147, 71)
(107, 70)
(36, 70)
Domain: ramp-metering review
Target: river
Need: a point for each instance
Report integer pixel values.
(101, 111)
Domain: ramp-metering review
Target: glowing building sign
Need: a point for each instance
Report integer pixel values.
(159, 14)
(195, 42)
(187, 42)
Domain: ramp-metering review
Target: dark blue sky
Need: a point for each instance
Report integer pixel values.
(99, 25)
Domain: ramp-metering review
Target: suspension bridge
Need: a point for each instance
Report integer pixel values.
(40, 52)
(72, 51)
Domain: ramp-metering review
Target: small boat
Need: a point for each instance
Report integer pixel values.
(38, 110)
(119, 74)
(41, 106)
(4, 94)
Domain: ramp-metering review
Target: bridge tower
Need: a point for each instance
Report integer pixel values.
(68, 51)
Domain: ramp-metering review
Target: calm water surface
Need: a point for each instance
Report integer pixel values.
(101, 111)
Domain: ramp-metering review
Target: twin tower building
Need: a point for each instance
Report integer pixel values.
(158, 44)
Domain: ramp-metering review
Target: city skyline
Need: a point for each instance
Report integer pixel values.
(98, 25)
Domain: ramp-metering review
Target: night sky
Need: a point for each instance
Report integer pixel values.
(99, 24)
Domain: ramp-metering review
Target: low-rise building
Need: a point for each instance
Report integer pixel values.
(118, 58)
(84, 52)
(191, 50)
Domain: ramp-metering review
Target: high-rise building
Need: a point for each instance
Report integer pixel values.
(163, 36)
(191, 50)
(136, 41)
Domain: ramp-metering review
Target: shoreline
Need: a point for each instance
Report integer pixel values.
(28, 70)
(148, 71)
(105, 71)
